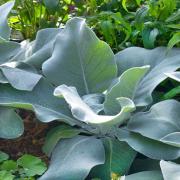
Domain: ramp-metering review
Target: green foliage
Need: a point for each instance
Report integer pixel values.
(73, 77)
(26, 167)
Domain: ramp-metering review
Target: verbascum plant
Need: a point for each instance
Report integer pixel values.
(104, 103)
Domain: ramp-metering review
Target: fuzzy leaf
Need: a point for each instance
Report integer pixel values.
(4, 28)
(89, 64)
(11, 125)
(73, 158)
(81, 111)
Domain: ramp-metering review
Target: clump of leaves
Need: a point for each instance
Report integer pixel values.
(27, 167)
(110, 118)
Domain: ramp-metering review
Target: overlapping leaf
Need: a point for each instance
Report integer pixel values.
(160, 63)
(73, 158)
(80, 59)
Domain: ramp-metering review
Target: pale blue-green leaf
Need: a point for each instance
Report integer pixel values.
(8, 50)
(19, 78)
(174, 75)
(170, 170)
(125, 87)
(57, 133)
(4, 28)
(119, 157)
(160, 123)
(81, 111)
(47, 107)
(145, 175)
(11, 125)
(137, 56)
(89, 64)
(160, 63)
(74, 158)
(151, 148)
(94, 101)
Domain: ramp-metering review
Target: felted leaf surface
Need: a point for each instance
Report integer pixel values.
(160, 63)
(40, 99)
(81, 111)
(119, 157)
(174, 75)
(73, 158)
(11, 125)
(170, 170)
(125, 87)
(4, 28)
(160, 123)
(80, 59)
(20, 79)
(145, 175)
(151, 148)
(56, 134)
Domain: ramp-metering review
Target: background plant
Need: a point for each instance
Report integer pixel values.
(27, 167)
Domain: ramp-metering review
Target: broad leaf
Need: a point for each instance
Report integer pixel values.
(160, 123)
(31, 165)
(40, 99)
(170, 170)
(11, 125)
(19, 78)
(73, 158)
(151, 148)
(81, 111)
(56, 134)
(4, 28)
(125, 87)
(145, 175)
(119, 157)
(94, 101)
(80, 59)
(174, 75)
(8, 50)
(160, 63)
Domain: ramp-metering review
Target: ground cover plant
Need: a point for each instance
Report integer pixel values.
(25, 168)
(112, 124)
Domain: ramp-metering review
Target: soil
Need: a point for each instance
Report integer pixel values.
(30, 142)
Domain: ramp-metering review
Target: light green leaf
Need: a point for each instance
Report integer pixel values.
(89, 64)
(170, 170)
(5, 175)
(160, 63)
(73, 158)
(4, 28)
(11, 125)
(125, 87)
(31, 165)
(174, 40)
(81, 111)
(9, 165)
(56, 134)
(172, 93)
(165, 116)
